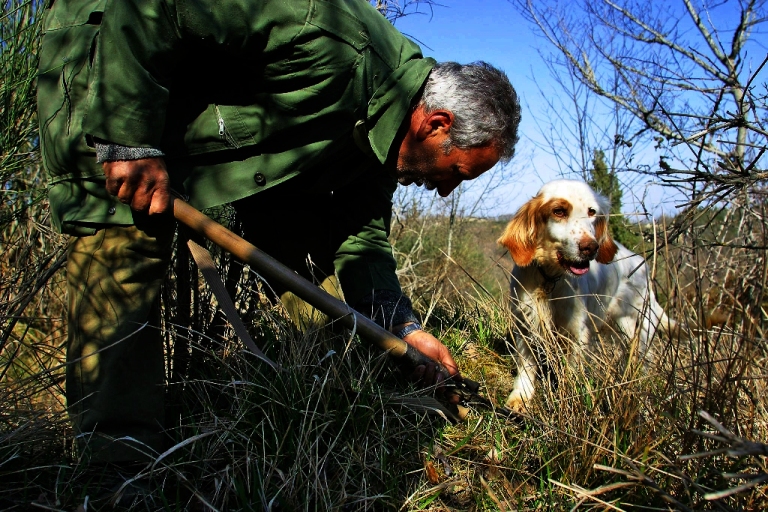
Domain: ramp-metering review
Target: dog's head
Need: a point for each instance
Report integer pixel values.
(562, 229)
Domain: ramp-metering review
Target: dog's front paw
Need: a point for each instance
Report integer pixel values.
(524, 389)
(517, 401)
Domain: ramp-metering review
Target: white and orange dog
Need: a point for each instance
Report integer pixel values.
(572, 279)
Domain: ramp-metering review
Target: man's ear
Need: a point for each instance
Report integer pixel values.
(438, 122)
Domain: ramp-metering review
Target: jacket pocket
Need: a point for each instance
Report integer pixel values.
(216, 128)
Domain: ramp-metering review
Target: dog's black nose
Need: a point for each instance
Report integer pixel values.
(588, 248)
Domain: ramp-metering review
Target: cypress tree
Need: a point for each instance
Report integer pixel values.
(605, 181)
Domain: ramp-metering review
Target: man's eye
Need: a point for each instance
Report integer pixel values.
(591, 212)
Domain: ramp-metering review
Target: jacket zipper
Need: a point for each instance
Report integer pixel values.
(223, 132)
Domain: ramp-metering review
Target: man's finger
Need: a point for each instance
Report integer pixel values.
(161, 201)
(453, 398)
(142, 195)
(453, 370)
(113, 185)
(141, 202)
(127, 192)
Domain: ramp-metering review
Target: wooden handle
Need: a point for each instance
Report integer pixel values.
(275, 271)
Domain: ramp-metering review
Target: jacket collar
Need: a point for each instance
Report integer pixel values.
(392, 101)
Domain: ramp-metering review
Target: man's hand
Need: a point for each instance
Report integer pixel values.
(142, 184)
(428, 374)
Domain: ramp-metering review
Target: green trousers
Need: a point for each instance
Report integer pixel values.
(115, 370)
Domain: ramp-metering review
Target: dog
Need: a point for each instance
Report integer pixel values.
(572, 279)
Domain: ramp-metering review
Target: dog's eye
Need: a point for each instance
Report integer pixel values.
(559, 212)
(591, 212)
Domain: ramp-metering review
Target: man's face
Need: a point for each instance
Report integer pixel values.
(443, 170)
(427, 158)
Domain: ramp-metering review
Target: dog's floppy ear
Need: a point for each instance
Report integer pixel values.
(607, 248)
(521, 234)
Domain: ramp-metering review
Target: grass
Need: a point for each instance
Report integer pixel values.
(341, 430)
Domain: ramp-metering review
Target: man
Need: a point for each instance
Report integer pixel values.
(304, 115)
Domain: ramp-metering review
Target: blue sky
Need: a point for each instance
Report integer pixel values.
(493, 31)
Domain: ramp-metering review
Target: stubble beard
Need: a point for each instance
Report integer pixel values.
(413, 170)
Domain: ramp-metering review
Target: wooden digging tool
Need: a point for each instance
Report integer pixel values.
(274, 271)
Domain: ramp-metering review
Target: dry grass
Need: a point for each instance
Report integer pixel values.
(615, 433)
(340, 430)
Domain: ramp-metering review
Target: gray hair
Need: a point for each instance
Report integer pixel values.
(483, 102)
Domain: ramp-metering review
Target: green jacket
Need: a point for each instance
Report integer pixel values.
(241, 95)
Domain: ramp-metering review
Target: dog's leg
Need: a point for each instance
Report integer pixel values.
(577, 329)
(525, 382)
(628, 329)
(533, 318)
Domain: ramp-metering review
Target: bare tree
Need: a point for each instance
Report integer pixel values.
(687, 72)
(574, 123)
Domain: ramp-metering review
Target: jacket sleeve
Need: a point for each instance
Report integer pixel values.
(364, 261)
(133, 69)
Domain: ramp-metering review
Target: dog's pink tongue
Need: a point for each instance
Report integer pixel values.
(579, 271)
